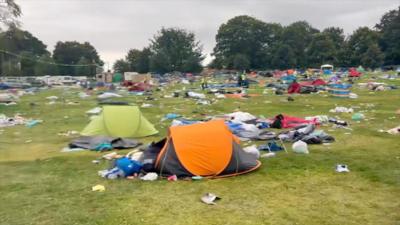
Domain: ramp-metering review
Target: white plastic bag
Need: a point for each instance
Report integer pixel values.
(300, 147)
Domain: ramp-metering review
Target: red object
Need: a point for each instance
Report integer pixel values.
(317, 82)
(136, 86)
(172, 178)
(354, 73)
(294, 88)
(291, 122)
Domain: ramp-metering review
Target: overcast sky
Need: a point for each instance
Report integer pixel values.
(115, 26)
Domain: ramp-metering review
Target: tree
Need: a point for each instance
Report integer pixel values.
(322, 50)
(389, 28)
(132, 59)
(121, 66)
(22, 48)
(139, 60)
(71, 52)
(283, 57)
(9, 13)
(241, 62)
(45, 66)
(298, 37)
(81, 70)
(373, 57)
(359, 43)
(143, 61)
(247, 36)
(175, 49)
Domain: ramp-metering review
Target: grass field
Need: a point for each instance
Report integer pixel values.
(41, 185)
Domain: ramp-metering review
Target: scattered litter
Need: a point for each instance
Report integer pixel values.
(33, 123)
(252, 150)
(268, 155)
(99, 188)
(196, 95)
(108, 95)
(52, 98)
(395, 130)
(94, 111)
(341, 109)
(172, 116)
(146, 105)
(150, 177)
(172, 178)
(68, 149)
(357, 116)
(300, 147)
(197, 178)
(209, 198)
(341, 168)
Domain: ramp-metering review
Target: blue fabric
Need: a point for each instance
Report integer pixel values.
(128, 166)
(172, 116)
(217, 86)
(103, 147)
(271, 146)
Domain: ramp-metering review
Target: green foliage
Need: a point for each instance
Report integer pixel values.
(359, 43)
(139, 60)
(175, 49)
(246, 36)
(121, 66)
(283, 57)
(373, 57)
(45, 66)
(389, 28)
(241, 62)
(71, 53)
(84, 70)
(322, 50)
(20, 51)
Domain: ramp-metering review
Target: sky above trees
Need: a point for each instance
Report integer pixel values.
(114, 27)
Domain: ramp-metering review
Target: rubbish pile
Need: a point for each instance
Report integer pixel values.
(17, 120)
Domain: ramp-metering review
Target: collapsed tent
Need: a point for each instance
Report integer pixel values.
(204, 149)
(283, 121)
(119, 121)
(294, 88)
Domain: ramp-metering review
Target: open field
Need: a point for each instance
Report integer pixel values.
(41, 185)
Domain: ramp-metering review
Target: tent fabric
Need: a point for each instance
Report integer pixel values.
(294, 88)
(204, 149)
(290, 121)
(340, 90)
(317, 82)
(119, 121)
(354, 73)
(95, 141)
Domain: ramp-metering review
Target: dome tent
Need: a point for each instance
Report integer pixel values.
(119, 121)
(204, 149)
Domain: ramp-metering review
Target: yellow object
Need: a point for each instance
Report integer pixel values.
(99, 188)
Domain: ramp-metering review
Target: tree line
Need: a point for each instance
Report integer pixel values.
(242, 43)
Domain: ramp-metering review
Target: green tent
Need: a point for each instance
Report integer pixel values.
(117, 78)
(120, 121)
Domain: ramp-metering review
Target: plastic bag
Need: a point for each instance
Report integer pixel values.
(300, 147)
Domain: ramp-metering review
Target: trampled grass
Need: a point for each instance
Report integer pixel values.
(41, 185)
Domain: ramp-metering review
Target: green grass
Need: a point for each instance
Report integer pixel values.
(41, 185)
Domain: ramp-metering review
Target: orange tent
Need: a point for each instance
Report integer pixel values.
(203, 149)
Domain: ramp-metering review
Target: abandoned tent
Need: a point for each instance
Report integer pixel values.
(119, 121)
(205, 149)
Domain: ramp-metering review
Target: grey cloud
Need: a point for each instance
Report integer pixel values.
(115, 26)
